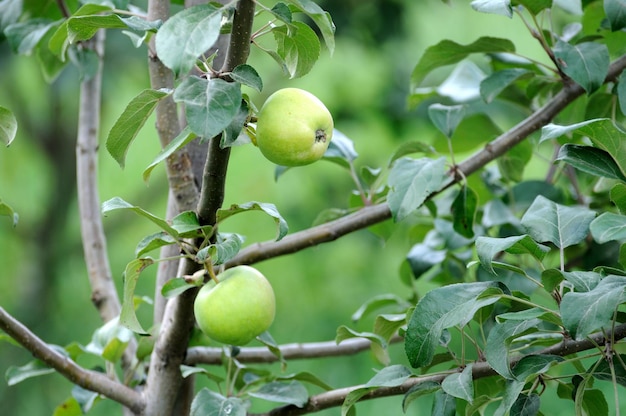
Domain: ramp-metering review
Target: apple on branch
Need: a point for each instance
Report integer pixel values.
(238, 308)
(294, 128)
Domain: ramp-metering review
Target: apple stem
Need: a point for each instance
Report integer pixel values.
(209, 269)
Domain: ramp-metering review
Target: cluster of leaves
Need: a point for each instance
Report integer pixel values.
(515, 259)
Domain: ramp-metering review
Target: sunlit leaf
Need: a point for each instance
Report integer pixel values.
(460, 385)
(341, 150)
(175, 287)
(7, 211)
(117, 203)
(298, 48)
(608, 227)
(321, 18)
(34, 368)
(501, 7)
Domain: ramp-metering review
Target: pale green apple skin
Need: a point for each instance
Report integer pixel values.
(237, 309)
(294, 128)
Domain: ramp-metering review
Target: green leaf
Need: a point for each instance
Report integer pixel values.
(187, 35)
(417, 391)
(607, 136)
(586, 63)
(618, 197)
(8, 126)
(269, 209)
(584, 313)
(232, 134)
(85, 27)
(391, 376)
(526, 405)
(69, 407)
(7, 211)
(59, 41)
(561, 225)
(410, 148)
(500, 7)
(377, 303)
(188, 225)
(443, 308)
(500, 338)
(306, 377)
(298, 48)
(152, 242)
(321, 18)
(554, 131)
(488, 247)
(227, 247)
(290, 393)
(422, 257)
(130, 122)
(594, 403)
(379, 344)
(180, 141)
(460, 385)
(209, 403)
(448, 52)
(210, 104)
(512, 163)
(110, 341)
(341, 150)
(616, 13)
(10, 12)
(621, 92)
(464, 211)
(446, 118)
(23, 37)
(602, 371)
(608, 227)
(590, 160)
(247, 75)
(118, 203)
(281, 11)
(532, 365)
(128, 318)
(443, 404)
(534, 6)
(175, 287)
(411, 181)
(34, 368)
(495, 83)
(582, 281)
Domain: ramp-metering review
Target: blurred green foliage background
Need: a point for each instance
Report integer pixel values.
(365, 85)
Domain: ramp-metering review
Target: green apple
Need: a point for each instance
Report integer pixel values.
(238, 308)
(293, 128)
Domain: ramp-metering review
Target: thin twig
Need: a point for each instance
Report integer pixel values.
(90, 380)
(335, 398)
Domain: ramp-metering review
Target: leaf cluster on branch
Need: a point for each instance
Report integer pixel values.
(521, 296)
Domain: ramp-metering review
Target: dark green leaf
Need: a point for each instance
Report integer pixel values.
(418, 391)
(512, 163)
(85, 27)
(130, 122)
(24, 36)
(210, 104)
(282, 12)
(443, 404)
(499, 341)
(526, 405)
(247, 75)
(621, 91)
(460, 385)
(488, 247)
(232, 134)
(616, 13)
(411, 182)
(187, 35)
(534, 364)
(59, 41)
(464, 211)
(292, 392)
(269, 209)
(591, 160)
(448, 52)
(128, 318)
(227, 247)
(298, 48)
(603, 370)
(152, 242)
(209, 403)
(495, 83)
(534, 6)
(608, 227)
(422, 257)
(410, 148)
(586, 63)
(583, 281)
(584, 313)
(607, 136)
(561, 225)
(443, 308)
